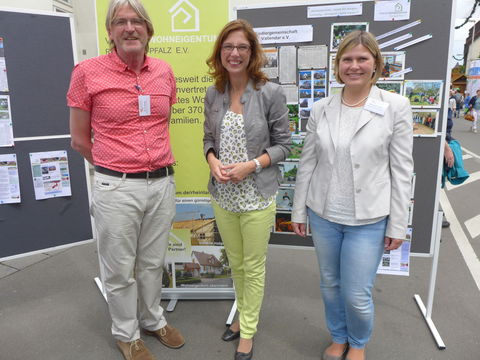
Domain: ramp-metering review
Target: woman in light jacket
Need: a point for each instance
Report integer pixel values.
(246, 134)
(353, 182)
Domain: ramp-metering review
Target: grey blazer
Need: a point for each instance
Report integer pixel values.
(265, 117)
(382, 163)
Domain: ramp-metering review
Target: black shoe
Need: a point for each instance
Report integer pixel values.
(230, 335)
(445, 224)
(244, 356)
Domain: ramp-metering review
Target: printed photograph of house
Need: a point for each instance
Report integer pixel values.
(208, 268)
(199, 219)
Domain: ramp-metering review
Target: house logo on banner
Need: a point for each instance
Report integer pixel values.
(185, 17)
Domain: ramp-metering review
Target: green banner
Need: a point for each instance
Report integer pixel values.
(185, 31)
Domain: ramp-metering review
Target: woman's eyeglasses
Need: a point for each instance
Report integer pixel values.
(242, 48)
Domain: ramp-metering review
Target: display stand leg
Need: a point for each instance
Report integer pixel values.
(171, 305)
(100, 287)
(427, 311)
(232, 314)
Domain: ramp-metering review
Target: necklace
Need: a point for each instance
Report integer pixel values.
(357, 103)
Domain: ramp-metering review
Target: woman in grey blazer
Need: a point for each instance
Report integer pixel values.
(246, 134)
(353, 182)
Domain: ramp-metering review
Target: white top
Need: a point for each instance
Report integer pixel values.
(340, 204)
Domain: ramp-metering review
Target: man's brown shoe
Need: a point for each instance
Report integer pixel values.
(168, 336)
(135, 350)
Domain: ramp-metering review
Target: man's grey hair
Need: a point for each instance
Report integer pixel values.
(138, 7)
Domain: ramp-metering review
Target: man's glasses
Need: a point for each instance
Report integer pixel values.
(242, 48)
(135, 22)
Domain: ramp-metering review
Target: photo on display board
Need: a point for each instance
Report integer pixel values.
(334, 87)
(167, 276)
(296, 149)
(284, 198)
(425, 122)
(391, 86)
(293, 119)
(304, 93)
(283, 223)
(288, 171)
(424, 93)
(208, 268)
(332, 66)
(305, 112)
(312, 87)
(393, 62)
(199, 220)
(340, 30)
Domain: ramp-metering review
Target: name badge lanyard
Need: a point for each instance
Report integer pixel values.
(143, 102)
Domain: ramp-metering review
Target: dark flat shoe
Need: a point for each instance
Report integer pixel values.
(230, 335)
(244, 356)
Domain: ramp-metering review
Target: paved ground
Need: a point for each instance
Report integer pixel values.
(51, 309)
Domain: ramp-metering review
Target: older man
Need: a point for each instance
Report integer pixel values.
(124, 99)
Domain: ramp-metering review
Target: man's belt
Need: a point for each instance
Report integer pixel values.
(159, 173)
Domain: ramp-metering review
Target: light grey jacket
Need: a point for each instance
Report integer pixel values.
(382, 163)
(265, 117)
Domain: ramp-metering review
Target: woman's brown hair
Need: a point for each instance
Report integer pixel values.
(257, 57)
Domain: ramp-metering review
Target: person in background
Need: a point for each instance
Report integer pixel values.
(466, 101)
(246, 133)
(474, 106)
(124, 99)
(459, 102)
(354, 182)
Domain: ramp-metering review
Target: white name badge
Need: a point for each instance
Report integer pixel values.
(376, 106)
(144, 105)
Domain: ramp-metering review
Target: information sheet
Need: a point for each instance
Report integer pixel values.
(3, 69)
(51, 177)
(389, 10)
(291, 93)
(271, 67)
(9, 184)
(288, 65)
(397, 262)
(285, 34)
(312, 57)
(334, 10)
(6, 130)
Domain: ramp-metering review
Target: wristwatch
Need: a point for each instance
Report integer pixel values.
(258, 166)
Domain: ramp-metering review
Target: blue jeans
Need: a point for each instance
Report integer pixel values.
(348, 258)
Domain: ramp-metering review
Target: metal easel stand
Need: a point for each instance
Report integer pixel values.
(231, 315)
(100, 287)
(427, 311)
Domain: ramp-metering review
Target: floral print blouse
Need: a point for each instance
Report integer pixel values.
(243, 196)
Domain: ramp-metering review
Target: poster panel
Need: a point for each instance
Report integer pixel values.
(185, 32)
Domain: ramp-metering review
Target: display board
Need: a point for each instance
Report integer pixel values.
(51, 209)
(421, 68)
(196, 265)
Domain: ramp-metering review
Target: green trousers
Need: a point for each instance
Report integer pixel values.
(245, 236)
